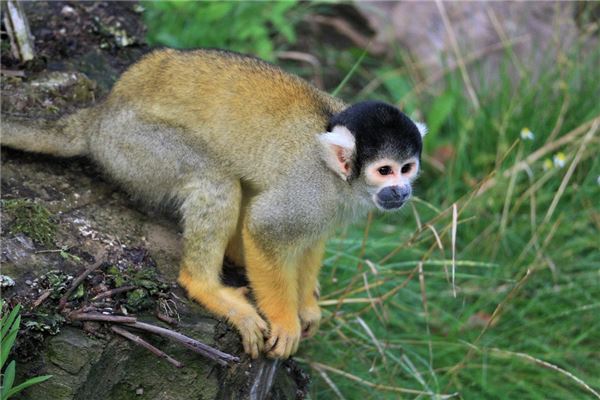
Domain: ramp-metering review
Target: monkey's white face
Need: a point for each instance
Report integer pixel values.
(386, 182)
(389, 182)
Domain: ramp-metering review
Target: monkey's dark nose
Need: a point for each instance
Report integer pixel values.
(393, 196)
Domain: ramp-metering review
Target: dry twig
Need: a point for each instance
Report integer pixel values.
(112, 292)
(192, 344)
(83, 316)
(80, 279)
(45, 294)
(207, 351)
(138, 340)
(17, 28)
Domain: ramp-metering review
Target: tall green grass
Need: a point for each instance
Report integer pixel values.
(517, 313)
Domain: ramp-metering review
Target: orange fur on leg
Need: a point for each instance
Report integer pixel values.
(275, 286)
(308, 289)
(231, 304)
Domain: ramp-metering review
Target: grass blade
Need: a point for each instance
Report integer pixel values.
(26, 384)
(8, 321)
(8, 379)
(9, 340)
(350, 73)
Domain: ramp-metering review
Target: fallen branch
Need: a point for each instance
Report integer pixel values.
(138, 340)
(207, 351)
(79, 280)
(112, 292)
(81, 316)
(192, 344)
(17, 28)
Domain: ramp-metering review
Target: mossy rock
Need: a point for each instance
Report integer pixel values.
(30, 219)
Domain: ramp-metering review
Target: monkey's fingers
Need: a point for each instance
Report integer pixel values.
(283, 341)
(310, 319)
(309, 329)
(253, 330)
(270, 344)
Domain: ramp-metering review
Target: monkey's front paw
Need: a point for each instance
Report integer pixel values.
(310, 318)
(253, 330)
(284, 338)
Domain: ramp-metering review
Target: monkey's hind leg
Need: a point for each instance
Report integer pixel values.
(210, 213)
(274, 282)
(308, 286)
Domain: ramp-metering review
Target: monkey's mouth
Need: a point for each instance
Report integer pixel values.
(390, 205)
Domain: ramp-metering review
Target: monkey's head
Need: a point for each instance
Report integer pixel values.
(376, 149)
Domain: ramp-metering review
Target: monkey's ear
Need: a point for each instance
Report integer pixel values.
(421, 127)
(338, 147)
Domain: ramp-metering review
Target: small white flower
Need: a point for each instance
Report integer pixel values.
(598, 180)
(526, 134)
(559, 160)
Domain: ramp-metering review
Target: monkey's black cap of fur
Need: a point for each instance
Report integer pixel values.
(380, 130)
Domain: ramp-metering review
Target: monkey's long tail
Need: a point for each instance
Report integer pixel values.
(65, 137)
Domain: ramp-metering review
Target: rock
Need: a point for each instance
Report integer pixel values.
(72, 350)
(68, 358)
(6, 281)
(537, 31)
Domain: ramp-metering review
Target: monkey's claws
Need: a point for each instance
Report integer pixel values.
(284, 339)
(253, 330)
(310, 318)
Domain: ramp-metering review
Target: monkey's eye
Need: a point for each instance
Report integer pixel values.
(406, 168)
(385, 170)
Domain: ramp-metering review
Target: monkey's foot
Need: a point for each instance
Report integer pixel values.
(310, 318)
(253, 330)
(231, 304)
(284, 338)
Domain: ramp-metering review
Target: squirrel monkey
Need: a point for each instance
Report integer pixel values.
(262, 165)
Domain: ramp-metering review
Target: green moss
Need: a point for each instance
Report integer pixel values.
(31, 219)
(139, 299)
(148, 287)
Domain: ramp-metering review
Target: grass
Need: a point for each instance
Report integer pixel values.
(522, 318)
